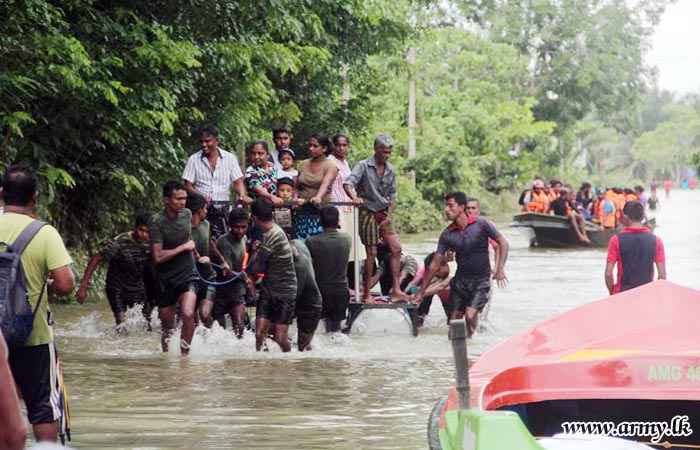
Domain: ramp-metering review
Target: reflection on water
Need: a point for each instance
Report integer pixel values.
(369, 391)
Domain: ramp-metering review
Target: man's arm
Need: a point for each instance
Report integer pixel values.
(239, 187)
(437, 287)
(161, 255)
(189, 187)
(13, 430)
(429, 274)
(501, 257)
(352, 180)
(81, 295)
(661, 270)
(63, 280)
(609, 283)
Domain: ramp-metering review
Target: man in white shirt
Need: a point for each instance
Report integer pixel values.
(210, 173)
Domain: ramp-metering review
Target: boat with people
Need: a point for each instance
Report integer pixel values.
(586, 371)
(547, 230)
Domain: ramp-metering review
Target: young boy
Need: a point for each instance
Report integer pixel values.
(279, 287)
(230, 298)
(285, 188)
(287, 163)
(127, 255)
(283, 215)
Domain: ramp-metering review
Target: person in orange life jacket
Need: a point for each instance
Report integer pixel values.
(537, 200)
(630, 196)
(634, 250)
(554, 189)
(563, 207)
(607, 210)
(597, 204)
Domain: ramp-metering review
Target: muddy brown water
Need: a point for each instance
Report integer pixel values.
(370, 391)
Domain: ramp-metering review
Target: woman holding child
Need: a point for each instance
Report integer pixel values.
(313, 186)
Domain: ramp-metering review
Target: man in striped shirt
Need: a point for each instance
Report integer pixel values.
(210, 173)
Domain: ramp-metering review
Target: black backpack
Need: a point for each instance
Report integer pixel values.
(16, 314)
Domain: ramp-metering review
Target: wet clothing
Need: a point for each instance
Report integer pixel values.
(172, 233)
(230, 295)
(634, 250)
(35, 371)
(471, 246)
(469, 291)
(375, 191)
(169, 294)
(127, 258)
(121, 301)
(330, 252)
(201, 237)
(277, 308)
(276, 253)
(308, 301)
(43, 254)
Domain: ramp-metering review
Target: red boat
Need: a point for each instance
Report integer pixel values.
(633, 357)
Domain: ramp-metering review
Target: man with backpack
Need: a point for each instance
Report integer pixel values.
(42, 257)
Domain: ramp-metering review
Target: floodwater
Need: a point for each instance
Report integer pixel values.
(369, 391)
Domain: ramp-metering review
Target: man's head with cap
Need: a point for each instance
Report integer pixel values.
(538, 185)
(383, 145)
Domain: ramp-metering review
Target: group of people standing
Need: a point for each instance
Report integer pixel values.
(211, 256)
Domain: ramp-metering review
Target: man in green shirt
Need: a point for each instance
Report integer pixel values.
(204, 250)
(230, 298)
(330, 252)
(171, 247)
(34, 365)
(127, 254)
(279, 286)
(308, 302)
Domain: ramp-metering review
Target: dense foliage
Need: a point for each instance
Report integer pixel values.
(103, 96)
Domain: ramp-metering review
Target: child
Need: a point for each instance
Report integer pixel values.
(285, 188)
(287, 161)
(283, 214)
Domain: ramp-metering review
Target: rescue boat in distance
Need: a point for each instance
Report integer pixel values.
(547, 230)
(627, 361)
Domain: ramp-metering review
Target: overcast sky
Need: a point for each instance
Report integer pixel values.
(676, 47)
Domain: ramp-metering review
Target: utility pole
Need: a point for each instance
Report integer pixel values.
(412, 103)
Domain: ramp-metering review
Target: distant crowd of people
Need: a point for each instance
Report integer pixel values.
(600, 206)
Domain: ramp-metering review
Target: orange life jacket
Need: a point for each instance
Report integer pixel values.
(631, 198)
(611, 219)
(539, 203)
(552, 195)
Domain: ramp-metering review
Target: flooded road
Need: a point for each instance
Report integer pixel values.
(365, 392)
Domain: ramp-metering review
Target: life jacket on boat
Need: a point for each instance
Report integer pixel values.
(631, 198)
(553, 195)
(539, 203)
(610, 220)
